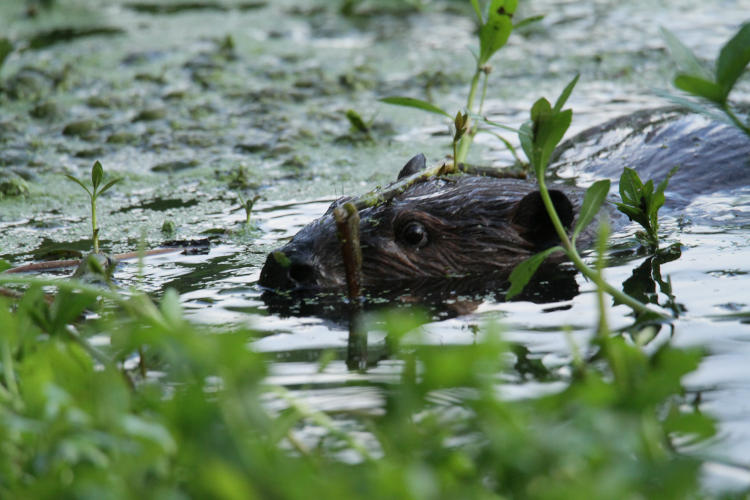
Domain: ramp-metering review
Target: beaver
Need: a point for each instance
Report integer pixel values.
(475, 225)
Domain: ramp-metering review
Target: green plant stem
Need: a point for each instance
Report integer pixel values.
(473, 90)
(572, 254)
(601, 247)
(484, 91)
(737, 122)
(94, 229)
(460, 153)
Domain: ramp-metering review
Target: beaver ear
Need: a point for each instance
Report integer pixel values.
(413, 166)
(535, 224)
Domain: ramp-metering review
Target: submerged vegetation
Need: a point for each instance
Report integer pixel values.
(115, 393)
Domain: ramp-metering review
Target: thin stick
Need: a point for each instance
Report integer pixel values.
(347, 227)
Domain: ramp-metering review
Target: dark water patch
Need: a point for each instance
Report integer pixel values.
(178, 7)
(174, 166)
(160, 205)
(61, 35)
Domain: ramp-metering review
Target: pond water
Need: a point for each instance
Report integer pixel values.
(194, 106)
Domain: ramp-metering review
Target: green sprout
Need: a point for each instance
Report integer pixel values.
(695, 79)
(248, 206)
(461, 128)
(641, 203)
(495, 28)
(97, 173)
(539, 137)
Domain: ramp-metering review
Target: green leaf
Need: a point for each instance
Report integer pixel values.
(529, 20)
(695, 106)
(109, 185)
(410, 102)
(5, 49)
(523, 272)
(656, 202)
(630, 187)
(526, 137)
(356, 121)
(97, 172)
(633, 213)
(79, 183)
(67, 307)
(495, 32)
(541, 106)
(4, 265)
(684, 57)
(551, 129)
(700, 87)
(566, 93)
(733, 59)
(494, 123)
(592, 202)
(663, 184)
(475, 4)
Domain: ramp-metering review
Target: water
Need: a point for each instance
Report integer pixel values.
(184, 117)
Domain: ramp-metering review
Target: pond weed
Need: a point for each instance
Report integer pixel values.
(97, 175)
(495, 27)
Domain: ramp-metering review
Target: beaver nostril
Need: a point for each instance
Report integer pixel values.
(301, 273)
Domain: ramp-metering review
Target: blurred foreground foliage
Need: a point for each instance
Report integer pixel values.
(77, 421)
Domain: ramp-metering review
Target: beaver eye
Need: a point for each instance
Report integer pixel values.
(414, 234)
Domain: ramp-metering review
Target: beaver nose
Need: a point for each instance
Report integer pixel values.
(285, 270)
(302, 273)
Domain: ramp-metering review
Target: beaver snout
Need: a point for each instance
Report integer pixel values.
(287, 270)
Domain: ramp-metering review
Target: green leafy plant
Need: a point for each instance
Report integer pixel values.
(713, 87)
(641, 203)
(84, 421)
(539, 136)
(97, 174)
(494, 30)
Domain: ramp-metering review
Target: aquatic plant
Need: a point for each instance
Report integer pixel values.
(247, 205)
(713, 88)
(97, 174)
(641, 203)
(86, 421)
(495, 27)
(539, 136)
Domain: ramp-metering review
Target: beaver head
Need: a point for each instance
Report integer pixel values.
(440, 226)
